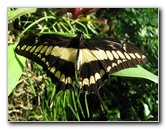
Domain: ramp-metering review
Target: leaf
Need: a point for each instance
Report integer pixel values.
(134, 114)
(14, 68)
(19, 12)
(137, 72)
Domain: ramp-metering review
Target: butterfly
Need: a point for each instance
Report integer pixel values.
(94, 59)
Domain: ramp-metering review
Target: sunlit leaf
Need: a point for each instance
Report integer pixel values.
(14, 68)
(137, 72)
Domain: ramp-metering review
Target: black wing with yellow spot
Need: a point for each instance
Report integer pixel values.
(94, 58)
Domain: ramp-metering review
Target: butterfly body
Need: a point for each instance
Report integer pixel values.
(95, 59)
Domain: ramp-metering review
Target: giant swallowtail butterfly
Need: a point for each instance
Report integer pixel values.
(95, 59)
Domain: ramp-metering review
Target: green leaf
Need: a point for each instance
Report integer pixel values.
(19, 12)
(137, 72)
(134, 114)
(14, 68)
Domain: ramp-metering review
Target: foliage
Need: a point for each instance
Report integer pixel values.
(124, 99)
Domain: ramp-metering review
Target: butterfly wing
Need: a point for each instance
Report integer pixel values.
(48, 51)
(102, 57)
